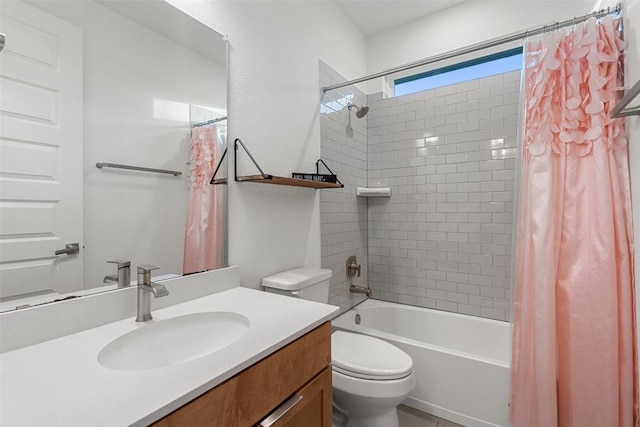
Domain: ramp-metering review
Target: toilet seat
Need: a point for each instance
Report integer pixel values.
(366, 357)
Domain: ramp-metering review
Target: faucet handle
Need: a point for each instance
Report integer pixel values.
(146, 268)
(121, 263)
(355, 267)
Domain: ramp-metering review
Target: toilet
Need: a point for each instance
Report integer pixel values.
(370, 376)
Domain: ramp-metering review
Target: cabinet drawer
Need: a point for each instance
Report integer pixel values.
(246, 398)
(308, 407)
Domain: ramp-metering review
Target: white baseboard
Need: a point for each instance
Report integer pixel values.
(447, 414)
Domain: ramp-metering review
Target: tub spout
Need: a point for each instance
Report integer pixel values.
(360, 290)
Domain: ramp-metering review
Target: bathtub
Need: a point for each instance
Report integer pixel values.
(461, 362)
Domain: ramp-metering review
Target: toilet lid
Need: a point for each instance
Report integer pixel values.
(366, 357)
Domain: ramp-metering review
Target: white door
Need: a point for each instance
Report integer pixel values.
(40, 151)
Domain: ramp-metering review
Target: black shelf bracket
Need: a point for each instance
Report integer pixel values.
(262, 175)
(235, 163)
(326, 167)
(213, 178)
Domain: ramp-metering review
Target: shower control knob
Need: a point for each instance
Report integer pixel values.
(352, 266)
(355, 267)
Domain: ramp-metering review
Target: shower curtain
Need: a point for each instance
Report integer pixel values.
(203, 243)
(574, 350)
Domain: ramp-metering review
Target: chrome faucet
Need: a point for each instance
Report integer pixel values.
(145, 288)
(123, 278)
(360, 290)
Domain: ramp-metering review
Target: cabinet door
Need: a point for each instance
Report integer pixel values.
(308, 407)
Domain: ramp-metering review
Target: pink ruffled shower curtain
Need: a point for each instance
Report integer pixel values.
(203, 243)
(574, 350)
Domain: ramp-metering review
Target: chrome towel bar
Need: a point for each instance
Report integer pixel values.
(101, 165)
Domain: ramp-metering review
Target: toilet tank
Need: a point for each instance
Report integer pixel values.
(307, 283)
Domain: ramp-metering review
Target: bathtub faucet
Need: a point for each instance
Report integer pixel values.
(360, 290)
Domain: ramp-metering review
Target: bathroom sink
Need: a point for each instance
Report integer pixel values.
(172, 341)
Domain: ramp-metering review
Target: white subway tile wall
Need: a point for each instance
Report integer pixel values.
(443, 239)
(343, 216)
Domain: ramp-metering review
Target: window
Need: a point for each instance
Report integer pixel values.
(489, 65)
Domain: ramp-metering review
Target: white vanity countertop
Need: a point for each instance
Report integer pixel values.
(60, 382)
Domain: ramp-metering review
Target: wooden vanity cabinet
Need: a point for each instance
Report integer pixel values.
(289, 388)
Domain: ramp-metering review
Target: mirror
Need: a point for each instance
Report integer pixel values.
(106, 82)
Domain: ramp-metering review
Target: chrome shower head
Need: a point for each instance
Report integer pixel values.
(360, 112)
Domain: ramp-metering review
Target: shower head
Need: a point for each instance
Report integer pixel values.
(360, 112)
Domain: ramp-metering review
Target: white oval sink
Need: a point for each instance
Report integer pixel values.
(173, 341)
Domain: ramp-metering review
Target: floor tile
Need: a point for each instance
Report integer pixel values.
(409, 417)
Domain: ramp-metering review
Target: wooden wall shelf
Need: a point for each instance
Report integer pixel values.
(293, 182)
(264, 178)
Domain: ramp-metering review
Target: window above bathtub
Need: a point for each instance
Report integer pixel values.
(489, 65)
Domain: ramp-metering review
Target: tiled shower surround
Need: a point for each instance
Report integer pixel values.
(443, 239)
(343, 217)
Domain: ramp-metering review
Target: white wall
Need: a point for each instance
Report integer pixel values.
(460, 26)
(274, 98)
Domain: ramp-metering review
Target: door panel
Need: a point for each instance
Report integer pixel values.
(40, 151)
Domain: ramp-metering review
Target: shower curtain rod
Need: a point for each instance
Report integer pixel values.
(210, 122)
(480, 46)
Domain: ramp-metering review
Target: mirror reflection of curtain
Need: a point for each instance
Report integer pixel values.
(203, 244)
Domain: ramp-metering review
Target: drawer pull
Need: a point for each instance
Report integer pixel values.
(281, 411)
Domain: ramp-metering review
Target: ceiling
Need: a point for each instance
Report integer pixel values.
(171, 22)
(374, 16)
